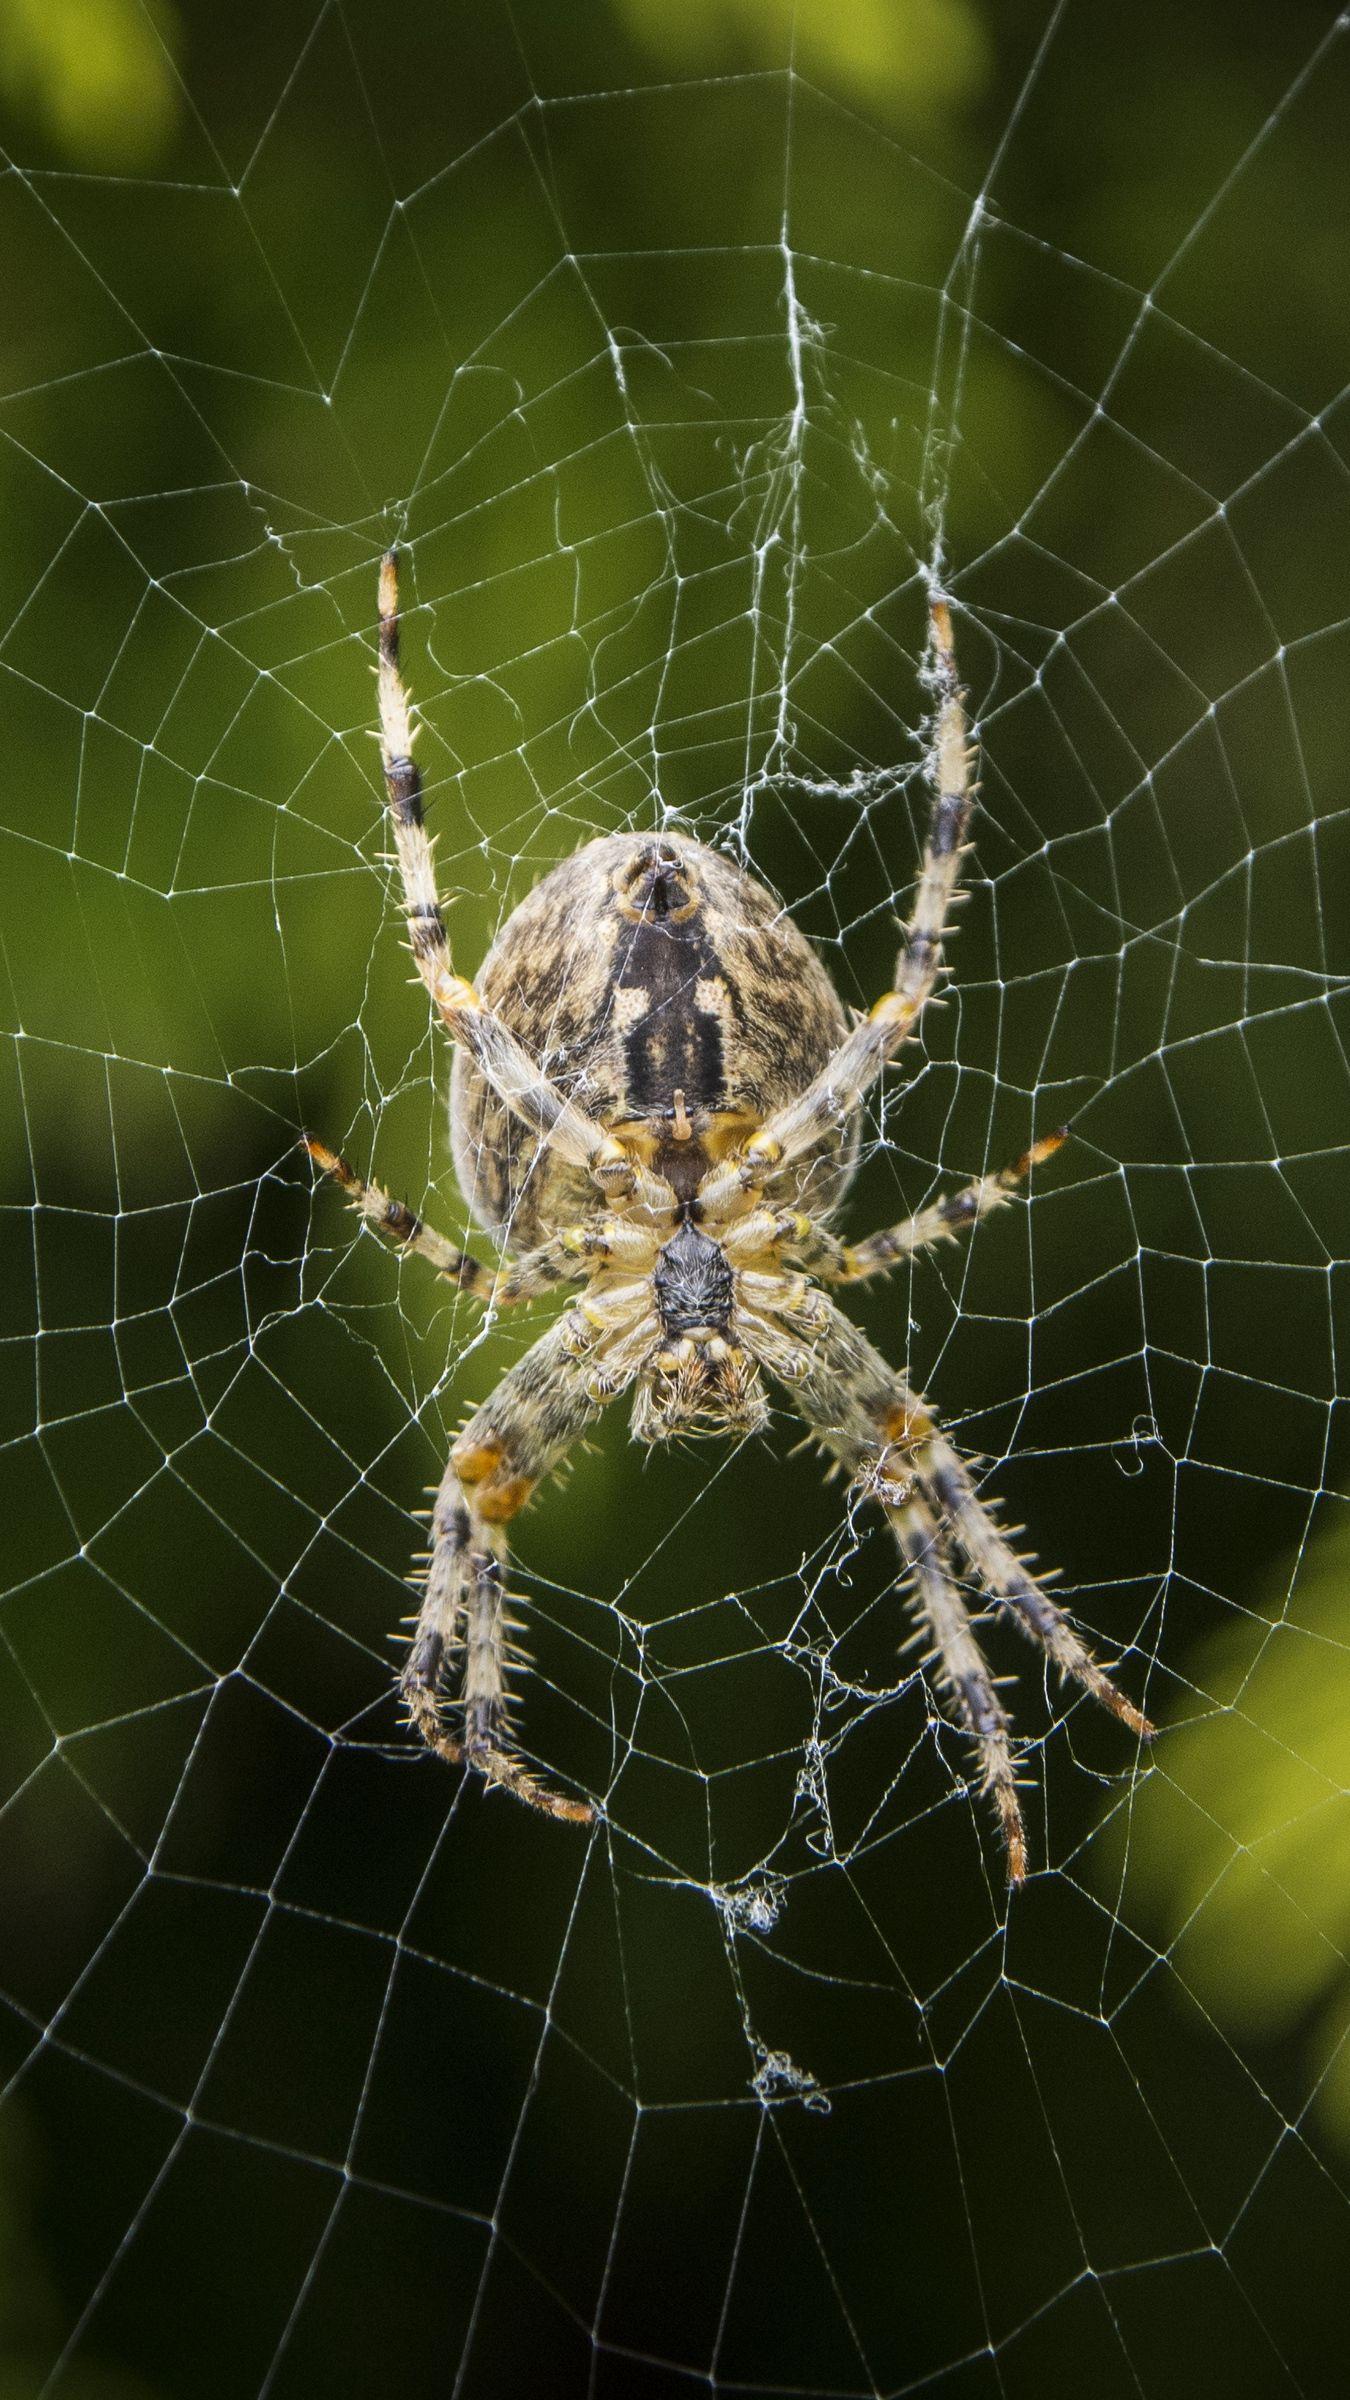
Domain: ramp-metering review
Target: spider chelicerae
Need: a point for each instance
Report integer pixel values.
(657, 1096)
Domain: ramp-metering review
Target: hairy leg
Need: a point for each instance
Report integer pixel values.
(522, 1083)
(943, 1221)
(768, 1236)
(845, 1078)
(518, 1436)
(881, 1432)
(397, 1224)
(570, 1258)
(961, 1669)
(946, 1479)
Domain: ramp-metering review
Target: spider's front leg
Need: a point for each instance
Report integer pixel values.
(515, 1439)
(963, 1670)
(521, 1081)
(845, 1079)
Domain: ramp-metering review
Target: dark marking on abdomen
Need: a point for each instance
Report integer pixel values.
(675, 1046)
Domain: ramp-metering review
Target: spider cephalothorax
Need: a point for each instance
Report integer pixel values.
(656, 1096)
(699, 1379)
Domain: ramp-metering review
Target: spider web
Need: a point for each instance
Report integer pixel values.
(679, 356)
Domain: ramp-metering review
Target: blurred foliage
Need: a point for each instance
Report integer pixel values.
(910, 58)
(98, 77)
(1239, 1852)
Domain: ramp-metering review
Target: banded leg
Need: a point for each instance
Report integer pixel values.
(518, 1436)
(946, 1478)
(522, 1083)
(768, 1235)
(963, 1672)
(846, 1077)
(866, 1415)
(943, 1221)
(397, 1224)
(568, 1259)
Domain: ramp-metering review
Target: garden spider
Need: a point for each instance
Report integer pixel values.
(656, 1095)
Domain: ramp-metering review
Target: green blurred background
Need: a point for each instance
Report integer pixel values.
(319, 2074)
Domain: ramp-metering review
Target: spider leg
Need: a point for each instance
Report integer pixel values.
(398, 1225)
(881, 1432)
(522, 1083)
(518, 1436)
(943, 1221)
(1004, 1575)
(963, 1671)
(569, 1258)
(854, 1067)
(767, 1236)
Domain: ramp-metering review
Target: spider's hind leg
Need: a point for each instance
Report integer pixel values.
(517, 1437)
(518, 1078)
(464, 1616)
(866, 1416)
(1007, 1580)
(962, 1669)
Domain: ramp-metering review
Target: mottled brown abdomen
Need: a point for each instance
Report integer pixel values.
(643, 967)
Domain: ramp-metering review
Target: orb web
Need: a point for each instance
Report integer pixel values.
(679, 388)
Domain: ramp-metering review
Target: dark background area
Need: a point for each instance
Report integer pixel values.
(318, 2072)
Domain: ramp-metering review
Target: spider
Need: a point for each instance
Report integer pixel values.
(656, 1096)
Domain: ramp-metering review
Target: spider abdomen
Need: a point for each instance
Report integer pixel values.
(655, 981)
